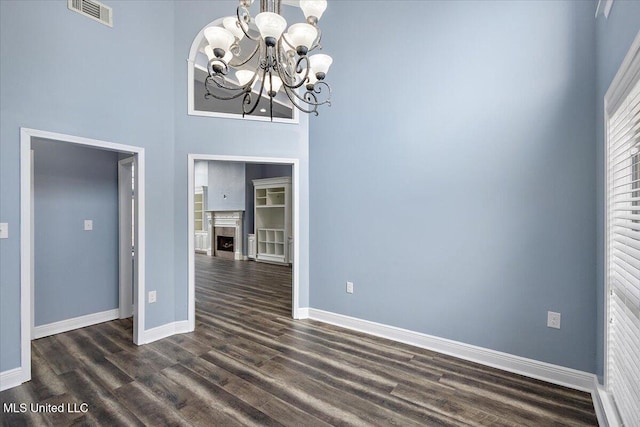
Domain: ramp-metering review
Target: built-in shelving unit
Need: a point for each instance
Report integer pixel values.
(273, 219)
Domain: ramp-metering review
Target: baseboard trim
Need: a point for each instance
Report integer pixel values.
(74, 323)
(605, 408)
(548, 372)
(303, 313)
(12, 378)
(164, 331)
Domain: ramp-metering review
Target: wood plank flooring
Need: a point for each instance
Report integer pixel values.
(248, 363)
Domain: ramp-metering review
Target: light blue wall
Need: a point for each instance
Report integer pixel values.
(76, 271)
(614, 35)
(480, 157)
(226, 191)
(203, 135)
(62, 72)
(457, 188)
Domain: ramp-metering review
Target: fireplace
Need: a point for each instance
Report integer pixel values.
(226, 234)
(224, 243)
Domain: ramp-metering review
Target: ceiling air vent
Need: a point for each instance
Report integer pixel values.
(93, 9)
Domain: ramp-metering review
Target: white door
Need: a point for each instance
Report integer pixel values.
(126, 225)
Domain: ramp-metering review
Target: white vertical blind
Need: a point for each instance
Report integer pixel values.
(623, 256)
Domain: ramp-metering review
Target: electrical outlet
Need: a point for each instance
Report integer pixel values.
(553, 320)
(88, 224)
(152, 297)
(349, 287)
(4, 230)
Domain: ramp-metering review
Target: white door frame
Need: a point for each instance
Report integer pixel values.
(125, 280)
(295, 165)
(26, 235)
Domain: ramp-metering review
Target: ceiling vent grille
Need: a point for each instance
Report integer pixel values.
(92, 9)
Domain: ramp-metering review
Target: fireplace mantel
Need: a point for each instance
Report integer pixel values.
(227, 219)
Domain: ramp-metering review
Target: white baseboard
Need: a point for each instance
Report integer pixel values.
(12, 378)
(548, 372)
(75, 323)
(605, 408)
(160, 332)
(303, 313)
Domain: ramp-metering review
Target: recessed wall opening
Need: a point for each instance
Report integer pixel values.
(72, 194)
(229, 225)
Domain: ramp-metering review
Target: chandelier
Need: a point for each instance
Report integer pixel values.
(275, 60)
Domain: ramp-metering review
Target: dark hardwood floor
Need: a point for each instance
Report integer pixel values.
(248, 363)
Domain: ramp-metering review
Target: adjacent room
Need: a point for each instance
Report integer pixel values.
(311, 212)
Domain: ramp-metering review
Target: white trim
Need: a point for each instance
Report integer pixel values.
(26, 253)
(303, 313)
(627, 75)
(548, 372)
(26, 245)
(13, 378)
(295, 164)
(125, 274)
(164, 331)
(604, 407)
(74, 323)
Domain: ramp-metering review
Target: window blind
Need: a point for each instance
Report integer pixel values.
(623, 256)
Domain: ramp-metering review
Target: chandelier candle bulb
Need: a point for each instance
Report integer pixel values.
(231, 24)
(313, 9)
(271, 26)
(219, 38)
(244, 76)
(277, 84)
(302, 36)
(320, 64)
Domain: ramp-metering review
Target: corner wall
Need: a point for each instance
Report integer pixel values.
(456, 189)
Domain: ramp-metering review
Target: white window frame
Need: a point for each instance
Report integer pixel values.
(626, 78)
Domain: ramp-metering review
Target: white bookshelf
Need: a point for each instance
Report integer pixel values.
(272, 219)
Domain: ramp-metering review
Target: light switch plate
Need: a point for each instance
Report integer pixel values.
(88, 224)
(4, 230)
(152, 297)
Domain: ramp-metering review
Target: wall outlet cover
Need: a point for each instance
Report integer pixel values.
(349, 287)
(553, 319)
(4, 230)
(88, 224)
(152, 297)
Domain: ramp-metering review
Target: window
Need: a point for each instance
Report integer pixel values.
(623, 239)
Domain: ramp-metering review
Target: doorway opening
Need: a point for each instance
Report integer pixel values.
(130, 275)
(237, 216)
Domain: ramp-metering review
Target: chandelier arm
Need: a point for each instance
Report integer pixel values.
(317, 88)
(249, 58)
(314, 99)
(316, 43)
(244, 18)
(209, 94)
(247, 98)
(298, 70)
(314, 106)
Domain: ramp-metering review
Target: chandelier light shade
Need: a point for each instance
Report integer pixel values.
(313, 9)
(230, 23)
(276, 61)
